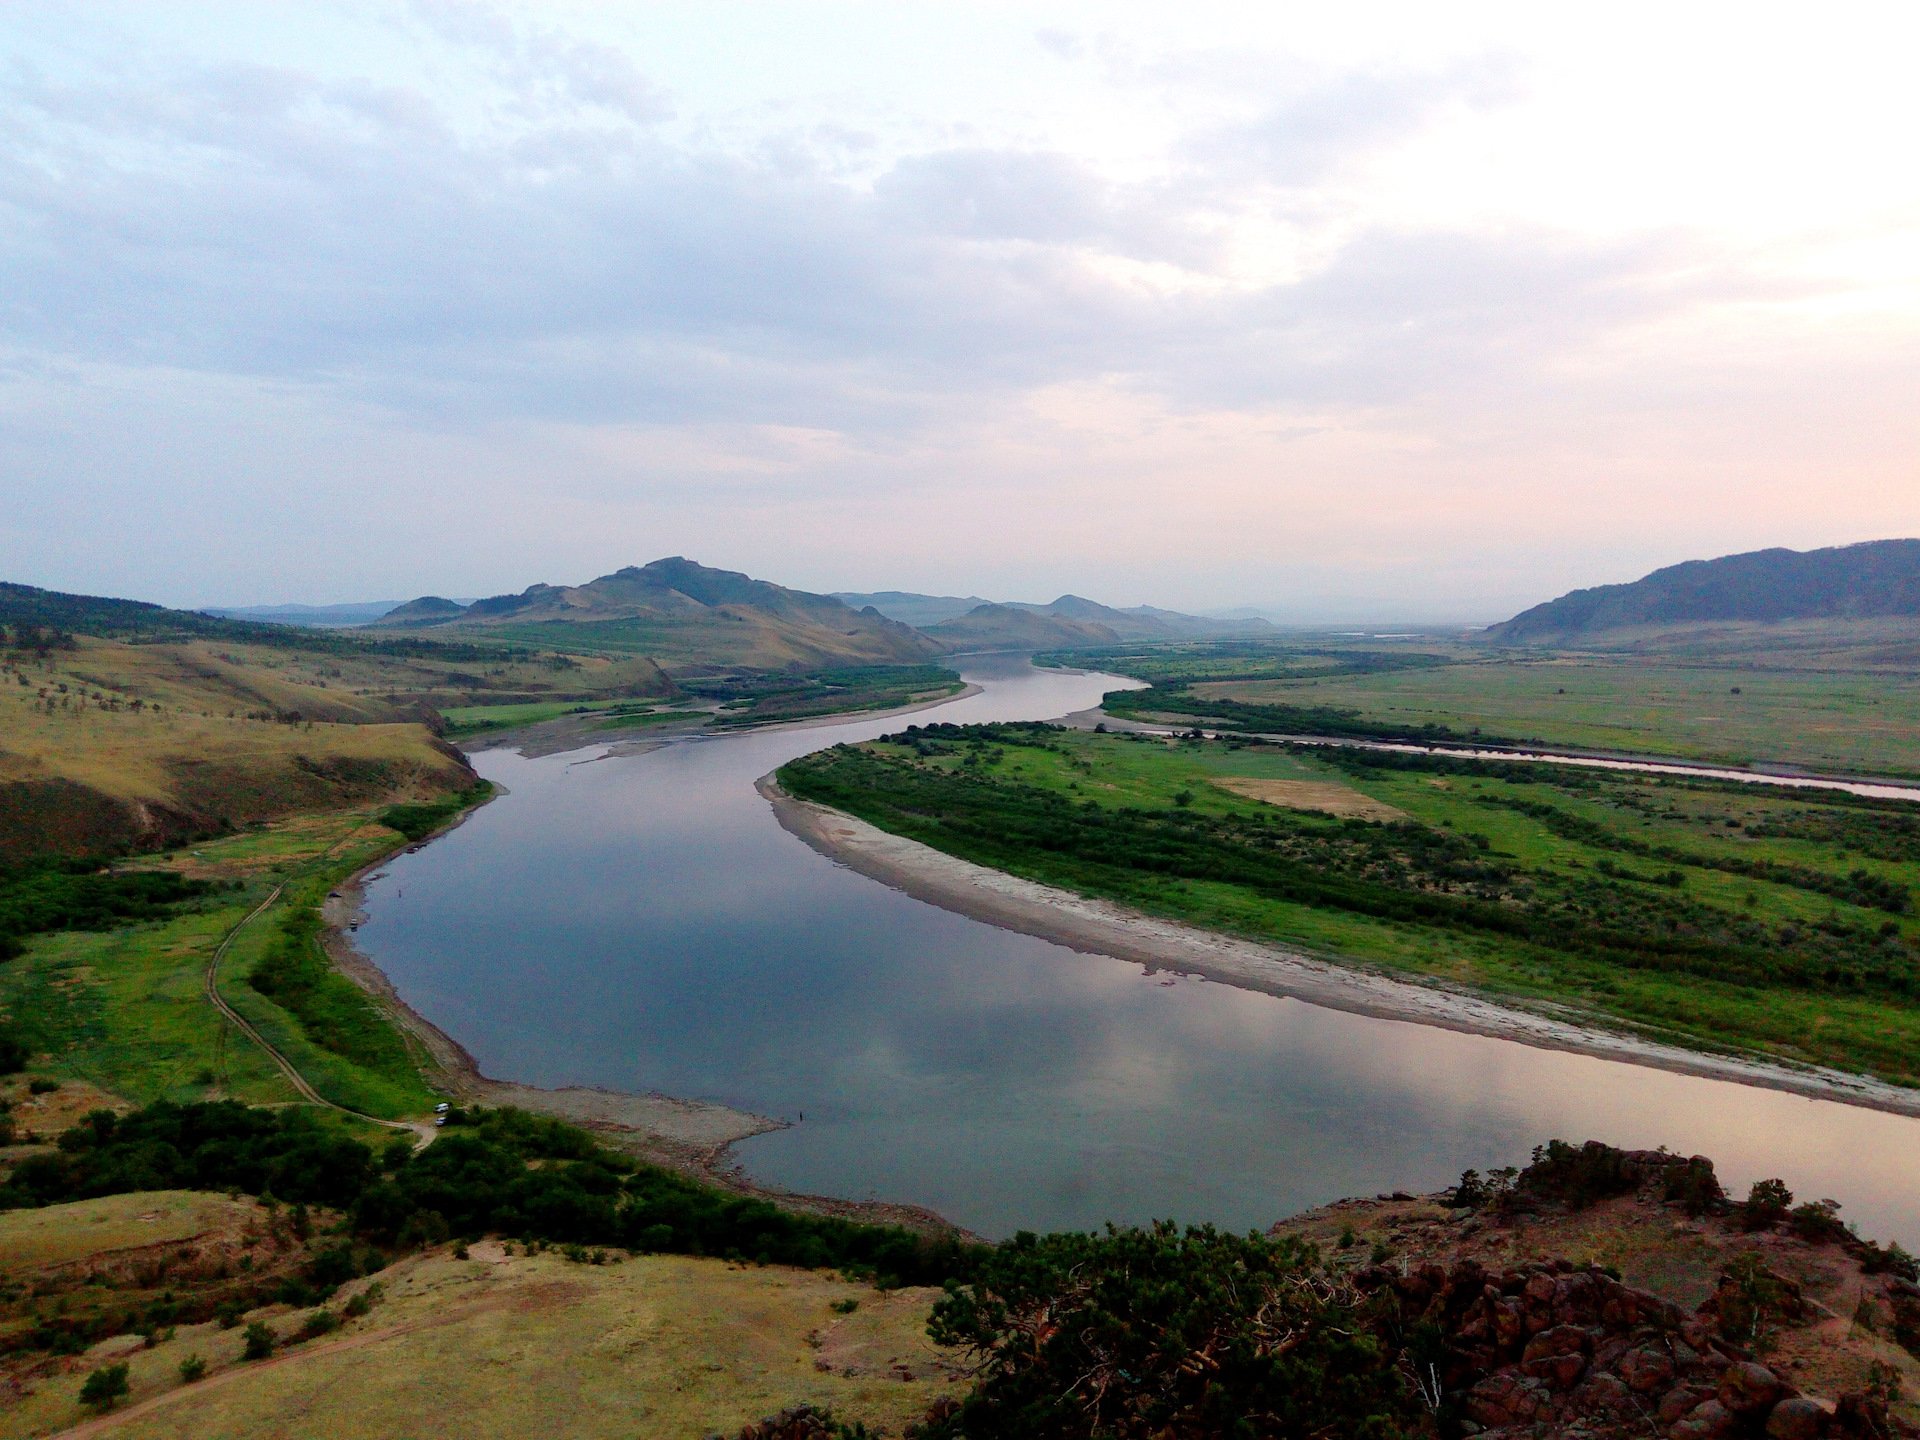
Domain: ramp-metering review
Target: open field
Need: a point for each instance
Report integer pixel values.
(1734, 706)
(1852, 723)
(511, 1345)
(1715, 915)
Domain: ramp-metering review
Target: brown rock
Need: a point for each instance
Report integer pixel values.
(1646, 1369)
(1509, 1324)
(1709, 1420)
(1796, 1418)
(1559, 1371)
(1679, 1401)
(1750, 1388)
(1606, 1393)
(1560, 1340)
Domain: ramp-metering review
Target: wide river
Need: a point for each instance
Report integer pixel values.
(643, 923)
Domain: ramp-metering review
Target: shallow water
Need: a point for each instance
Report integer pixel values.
(643, 923)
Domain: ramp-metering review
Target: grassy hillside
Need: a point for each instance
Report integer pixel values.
(110, 746)
(127, 726)
(672, 1347)
(1713, 913)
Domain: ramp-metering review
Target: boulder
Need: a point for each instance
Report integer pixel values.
(1750, 1388)
(1709, 1420)
(1796, 1418)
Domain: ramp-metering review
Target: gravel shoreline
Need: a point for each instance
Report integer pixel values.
(1102, 927)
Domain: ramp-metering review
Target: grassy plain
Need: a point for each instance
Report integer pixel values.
(1742, 697)
(1720, 916)
(1867, 723)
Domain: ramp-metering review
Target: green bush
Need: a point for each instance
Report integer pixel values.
(105, 1387)
(259, 1341)
(417, 821)
(191, 1369)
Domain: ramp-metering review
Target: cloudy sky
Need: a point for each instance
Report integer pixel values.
(1345, 311)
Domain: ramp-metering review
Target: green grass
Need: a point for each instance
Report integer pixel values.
(1729, 710)
(126, 1010)
(1630, 898)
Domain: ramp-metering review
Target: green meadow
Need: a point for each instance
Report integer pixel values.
(1719, 915)
(1738, 708)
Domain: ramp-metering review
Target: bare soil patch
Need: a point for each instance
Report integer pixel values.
(1328, 797)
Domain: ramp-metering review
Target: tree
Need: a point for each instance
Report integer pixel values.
(191, 1369)
(259, 1342)
(105, 1387)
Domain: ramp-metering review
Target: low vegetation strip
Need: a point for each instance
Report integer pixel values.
(420, 819)
(1730, 932)
(493, 1172)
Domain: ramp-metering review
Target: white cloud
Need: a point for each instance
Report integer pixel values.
(571, 239)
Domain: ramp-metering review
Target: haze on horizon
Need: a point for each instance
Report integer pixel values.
(1389, 313)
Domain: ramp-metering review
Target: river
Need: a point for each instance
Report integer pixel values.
(642, 922)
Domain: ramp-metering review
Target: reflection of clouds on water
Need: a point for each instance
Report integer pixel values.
(642, 922)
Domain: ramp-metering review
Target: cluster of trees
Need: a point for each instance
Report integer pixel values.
(418, 820)
(1277, 719)
(1178, 1333)
(1885, 832)
(43, 640)
(504, 1172)
(55, 894)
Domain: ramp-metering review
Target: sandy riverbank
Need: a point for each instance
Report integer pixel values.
(1101, 927)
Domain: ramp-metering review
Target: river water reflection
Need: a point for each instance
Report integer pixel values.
(643, 923)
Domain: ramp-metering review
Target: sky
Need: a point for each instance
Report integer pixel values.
(1345, 312)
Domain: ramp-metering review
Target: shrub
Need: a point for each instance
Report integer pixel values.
(1817, 1220)
(1162, 1331)
(320, 1322)
(105, 1387)
(259, 1342)
(191, 1369)
(1766, 1205)
(1694, 1187)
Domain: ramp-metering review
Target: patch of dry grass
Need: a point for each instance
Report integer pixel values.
(505, 1345)
(85, 1229)
(1329, 797)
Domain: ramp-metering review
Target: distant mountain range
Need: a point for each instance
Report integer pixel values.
(677, 610)
(1087, 622)
(1875, 580)
(319, 616)
(919, 611)
(681, 612)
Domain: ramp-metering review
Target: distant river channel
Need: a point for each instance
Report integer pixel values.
(642, 923)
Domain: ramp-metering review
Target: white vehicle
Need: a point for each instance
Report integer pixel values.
(442, 1108)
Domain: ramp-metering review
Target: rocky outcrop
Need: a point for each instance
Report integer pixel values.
(1552, 1349)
